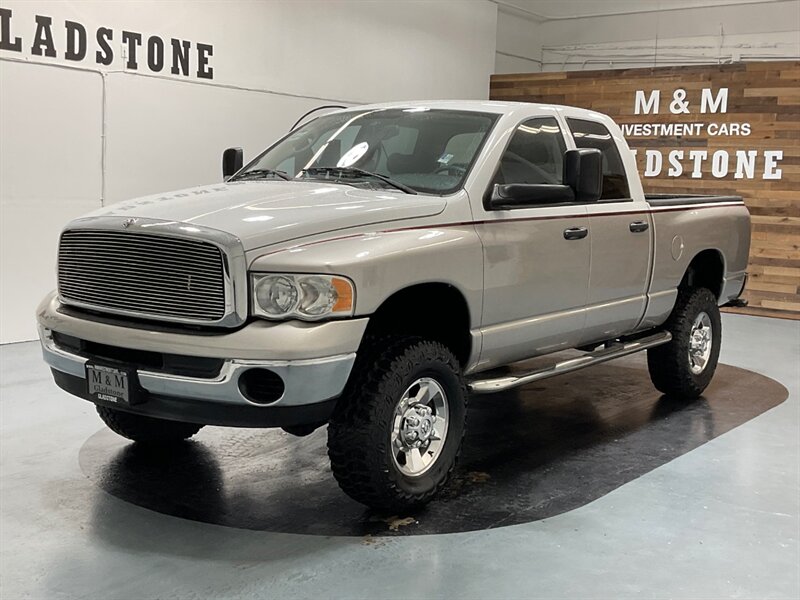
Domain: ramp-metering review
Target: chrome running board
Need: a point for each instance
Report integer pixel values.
(610, 352)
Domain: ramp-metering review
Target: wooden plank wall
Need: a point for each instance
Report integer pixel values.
(766, 95)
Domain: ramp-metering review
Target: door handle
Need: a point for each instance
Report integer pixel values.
(575, 233)
(639, 226)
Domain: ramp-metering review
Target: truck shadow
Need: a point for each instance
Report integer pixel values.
(529, 454)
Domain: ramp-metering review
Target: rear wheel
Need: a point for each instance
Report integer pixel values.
(684, 367)
(146, 430)
(396, 433)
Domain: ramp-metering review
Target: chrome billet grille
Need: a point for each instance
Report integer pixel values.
(140, 274)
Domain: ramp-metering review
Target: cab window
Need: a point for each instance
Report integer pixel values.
(534, 155)
(590, 134)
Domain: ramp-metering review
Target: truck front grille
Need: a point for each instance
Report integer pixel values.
(142, 275)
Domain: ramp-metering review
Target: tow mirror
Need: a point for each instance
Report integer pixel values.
(583, 173)
(232, 161)
(520, 195)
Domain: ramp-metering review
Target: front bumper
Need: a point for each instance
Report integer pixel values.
(311, 383)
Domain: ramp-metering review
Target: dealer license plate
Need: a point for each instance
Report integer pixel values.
(109, 384)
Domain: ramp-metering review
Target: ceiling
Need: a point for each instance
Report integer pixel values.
(547, 10)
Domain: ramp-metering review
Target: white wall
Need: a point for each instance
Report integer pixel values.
(531, 40)
(74, 135)
(518, 46)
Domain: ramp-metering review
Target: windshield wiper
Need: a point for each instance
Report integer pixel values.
(261, 173)
(350, 171)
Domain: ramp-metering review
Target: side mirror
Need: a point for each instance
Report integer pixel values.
(583, 173)
(232, 161)
(520, 195)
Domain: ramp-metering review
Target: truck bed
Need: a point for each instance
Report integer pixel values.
(682, 199)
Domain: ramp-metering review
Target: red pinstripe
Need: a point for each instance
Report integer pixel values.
(521, 219)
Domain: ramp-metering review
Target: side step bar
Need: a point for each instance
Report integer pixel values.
(616, 350)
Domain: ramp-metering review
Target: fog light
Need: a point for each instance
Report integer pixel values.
(261, 386)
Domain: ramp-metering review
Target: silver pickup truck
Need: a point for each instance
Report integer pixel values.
(377, 265)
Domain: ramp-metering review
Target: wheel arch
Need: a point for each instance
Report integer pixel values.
(706, 269)
(433, 310)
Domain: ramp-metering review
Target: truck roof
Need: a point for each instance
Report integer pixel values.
(490, 106)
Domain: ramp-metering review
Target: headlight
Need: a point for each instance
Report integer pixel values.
(307, 297)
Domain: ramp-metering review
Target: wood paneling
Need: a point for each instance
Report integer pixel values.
(765, 94)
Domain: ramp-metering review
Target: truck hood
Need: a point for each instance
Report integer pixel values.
(262, 213)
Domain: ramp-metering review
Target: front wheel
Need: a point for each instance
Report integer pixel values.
(684, 367)
(396, 433)
(146, 430)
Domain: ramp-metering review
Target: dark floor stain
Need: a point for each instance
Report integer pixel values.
(529, 454)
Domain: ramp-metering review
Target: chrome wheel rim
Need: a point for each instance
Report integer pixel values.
(419, 427)
(700, 343)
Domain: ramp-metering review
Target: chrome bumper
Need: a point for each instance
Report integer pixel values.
(306, 381)
(314, 360)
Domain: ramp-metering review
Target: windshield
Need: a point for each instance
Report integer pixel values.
(422, 150)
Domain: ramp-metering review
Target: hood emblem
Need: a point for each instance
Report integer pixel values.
(128, 222)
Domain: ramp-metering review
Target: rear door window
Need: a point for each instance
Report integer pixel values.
(590, 134)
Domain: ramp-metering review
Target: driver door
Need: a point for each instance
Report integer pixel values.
(536, 276)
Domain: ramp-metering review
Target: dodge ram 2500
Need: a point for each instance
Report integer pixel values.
(374, 267)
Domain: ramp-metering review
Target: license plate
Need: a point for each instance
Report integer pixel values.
(109, 384)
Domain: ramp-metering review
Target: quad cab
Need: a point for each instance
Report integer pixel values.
(375, 267)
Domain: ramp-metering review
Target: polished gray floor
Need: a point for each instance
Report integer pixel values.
(722, 520)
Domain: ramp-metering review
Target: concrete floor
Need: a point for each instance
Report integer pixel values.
(722, 520)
